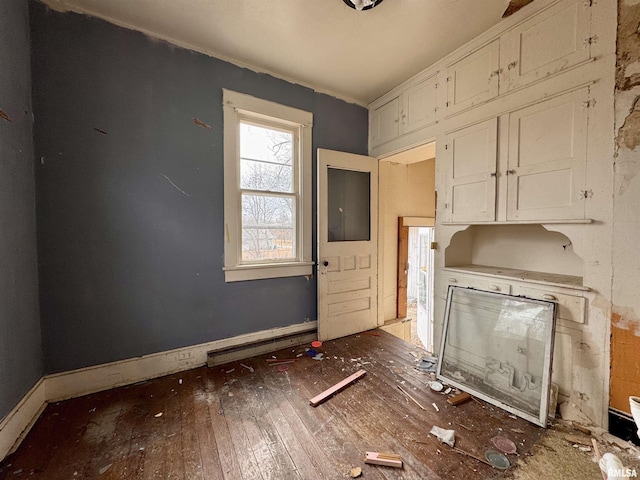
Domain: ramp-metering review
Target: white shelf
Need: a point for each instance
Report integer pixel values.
(542, 278)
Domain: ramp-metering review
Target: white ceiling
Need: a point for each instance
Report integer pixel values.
(355, 55)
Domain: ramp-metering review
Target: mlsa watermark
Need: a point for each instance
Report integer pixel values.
(622, 473)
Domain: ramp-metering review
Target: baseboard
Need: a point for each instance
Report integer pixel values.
(621, 425)
(219, 357)
(88, 380)
(75, 383)
(18, 422)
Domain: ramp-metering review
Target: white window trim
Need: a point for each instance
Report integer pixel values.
(233, 105)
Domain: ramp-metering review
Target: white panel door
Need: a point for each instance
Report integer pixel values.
(473, 79)
(549, 43)
(471, 172)
(347, 243)
(547, 159)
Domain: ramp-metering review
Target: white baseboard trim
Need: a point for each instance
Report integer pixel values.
(75, 383)
(19, 421)
(84, 381)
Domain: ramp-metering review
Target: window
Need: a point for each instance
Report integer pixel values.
(267, 189)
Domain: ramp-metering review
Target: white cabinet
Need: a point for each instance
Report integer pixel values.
(547, 158)
(419, 105)
(552, 41)
(569, 297)
(384, 122)
(471, 158)
(474, 78)
(540, 176)
(412, 109)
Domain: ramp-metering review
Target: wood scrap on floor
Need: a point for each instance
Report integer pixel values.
(318, 399)
(386, 459)
(410, 397)
(459, 399)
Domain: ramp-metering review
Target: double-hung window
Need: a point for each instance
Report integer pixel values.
(267, 189)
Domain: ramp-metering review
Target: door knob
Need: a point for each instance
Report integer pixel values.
(325, 263)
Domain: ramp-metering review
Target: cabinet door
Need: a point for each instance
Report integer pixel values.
(548, 43)
(474, 78)
(471, 172)
(547, 159)
(419, 105)
(385, 123)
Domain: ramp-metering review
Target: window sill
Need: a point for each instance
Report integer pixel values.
(259, 272)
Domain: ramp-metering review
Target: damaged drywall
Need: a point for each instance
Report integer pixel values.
(628, 43)
(625, 322)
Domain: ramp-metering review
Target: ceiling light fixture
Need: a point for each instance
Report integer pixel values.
(362, 4)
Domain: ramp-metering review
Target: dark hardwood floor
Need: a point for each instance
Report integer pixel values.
(227, 422)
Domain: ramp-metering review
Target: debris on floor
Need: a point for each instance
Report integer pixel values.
(504, 444)
(355, 472)
(410, 397)
(427, 364)
(459, 399)
(386, 459)
(318, 399)
(444, 436)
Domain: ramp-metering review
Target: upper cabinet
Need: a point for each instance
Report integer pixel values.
(419, 105)
(412, 109)
(384, 122)
(472, 160)
(473, 79)
(539, 175)
(518, 53)
(552, 41)
(549, 43)
(547, 155)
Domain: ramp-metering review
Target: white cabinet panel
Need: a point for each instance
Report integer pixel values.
(571, 308)
(473, 79)
(566, 354)
(419, 105)
(471, 169)
(554, 40)
(412, 109)
(385, 124)
(547, 158)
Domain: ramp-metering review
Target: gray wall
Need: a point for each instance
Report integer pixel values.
(129, 264)
(20, 344)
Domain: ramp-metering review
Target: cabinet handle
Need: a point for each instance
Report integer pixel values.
(494, 174)
(511, 172)
(548, 296)
(453, 280)
(512, 65)
(494, 288)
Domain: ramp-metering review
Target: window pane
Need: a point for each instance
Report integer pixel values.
(266, 156)
(268, 228)
(348, 199)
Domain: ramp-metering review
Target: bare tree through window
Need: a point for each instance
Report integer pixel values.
(268, 189)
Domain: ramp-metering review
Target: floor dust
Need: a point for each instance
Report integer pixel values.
(553, 457)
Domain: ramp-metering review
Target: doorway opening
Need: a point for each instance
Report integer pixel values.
(406, 205)
(421, 282)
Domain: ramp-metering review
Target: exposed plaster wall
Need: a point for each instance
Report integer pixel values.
(625, 316)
